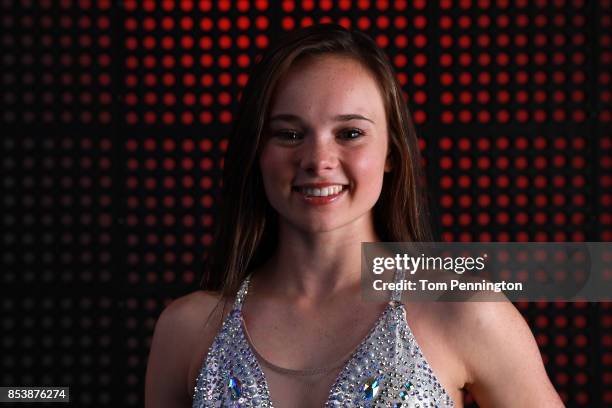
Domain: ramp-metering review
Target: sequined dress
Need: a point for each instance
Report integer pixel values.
(387, 369)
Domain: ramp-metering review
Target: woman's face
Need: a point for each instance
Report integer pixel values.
(327, 126)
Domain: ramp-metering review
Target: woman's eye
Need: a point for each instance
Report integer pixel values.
(288, 135)
(352, 133)
(294, 136)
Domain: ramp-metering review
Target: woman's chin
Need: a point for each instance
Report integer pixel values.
(320, 226)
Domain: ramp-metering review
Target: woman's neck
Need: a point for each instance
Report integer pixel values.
(316, 265)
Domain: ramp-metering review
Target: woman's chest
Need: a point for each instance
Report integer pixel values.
(313, 356)
(304, 341)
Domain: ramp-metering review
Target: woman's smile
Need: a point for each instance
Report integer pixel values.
(320, 195)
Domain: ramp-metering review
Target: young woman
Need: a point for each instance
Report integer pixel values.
(323, 157)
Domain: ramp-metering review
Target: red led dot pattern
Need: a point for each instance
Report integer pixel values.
(58, 238)
(511, 103)
(509, 65)
(603, 194)
(57, 62)
(162, 181)
(185, 61)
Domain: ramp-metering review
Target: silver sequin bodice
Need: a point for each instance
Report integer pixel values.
(386, 370)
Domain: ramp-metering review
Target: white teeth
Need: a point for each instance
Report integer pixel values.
(321, 192)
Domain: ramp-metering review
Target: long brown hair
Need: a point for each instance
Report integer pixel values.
(246, 224)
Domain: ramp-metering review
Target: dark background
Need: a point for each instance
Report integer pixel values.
(114, 122)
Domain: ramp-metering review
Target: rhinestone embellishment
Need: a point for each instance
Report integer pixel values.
(371, 387)
(233, 386)
(404, 394)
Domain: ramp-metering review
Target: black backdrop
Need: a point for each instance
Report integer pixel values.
(114, 123)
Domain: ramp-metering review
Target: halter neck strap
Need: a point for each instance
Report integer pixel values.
(396, 294)
(242, 292)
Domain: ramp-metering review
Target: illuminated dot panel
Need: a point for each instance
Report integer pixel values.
(602, 355)
(171, 184)
(511, 103)
(514, 186)
(602, 88)
(56, 62)
(50, 340)
(185, 61)
(519, 64)
(57, 263)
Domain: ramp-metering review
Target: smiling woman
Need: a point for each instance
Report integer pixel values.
(323, 157)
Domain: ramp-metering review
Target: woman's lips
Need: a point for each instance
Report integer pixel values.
(320, 200)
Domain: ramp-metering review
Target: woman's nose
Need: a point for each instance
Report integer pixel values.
(318, 155)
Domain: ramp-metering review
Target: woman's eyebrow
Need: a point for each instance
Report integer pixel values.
(288, 117)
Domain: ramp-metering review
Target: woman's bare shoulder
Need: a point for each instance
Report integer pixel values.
(194, 319)
(473, 321)
(183, 331)
(191, 314)
(499, 352)
(188, 309)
